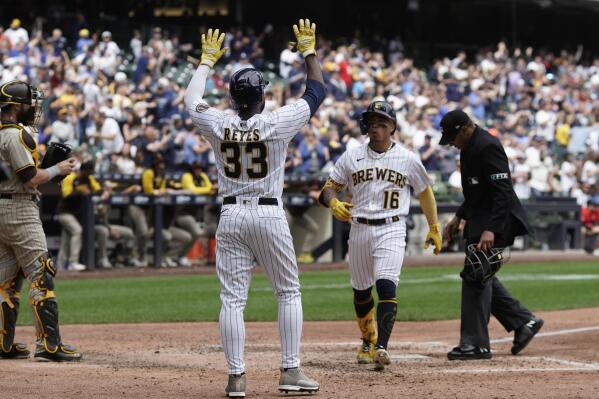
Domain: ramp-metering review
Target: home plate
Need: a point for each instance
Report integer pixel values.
(410, 356)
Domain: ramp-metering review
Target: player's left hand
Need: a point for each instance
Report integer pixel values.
(487, 239)
(434, 237)
(211, 47)
(306, 37)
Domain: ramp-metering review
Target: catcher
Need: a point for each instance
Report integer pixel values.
(23, 251)
(380, 175)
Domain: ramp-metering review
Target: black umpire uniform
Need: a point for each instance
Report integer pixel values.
(490, 205)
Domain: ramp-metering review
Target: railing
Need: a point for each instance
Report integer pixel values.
(567, 212)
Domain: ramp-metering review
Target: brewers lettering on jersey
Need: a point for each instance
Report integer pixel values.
(250, 150)
(380, 186)
(379, 176)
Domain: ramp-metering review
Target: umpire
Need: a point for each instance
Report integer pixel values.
(23, 251)
(493, 216)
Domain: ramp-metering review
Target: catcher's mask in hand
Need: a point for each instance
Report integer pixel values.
(481, 266)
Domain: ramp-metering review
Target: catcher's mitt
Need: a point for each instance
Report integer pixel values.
(481, 266)
(56, 153)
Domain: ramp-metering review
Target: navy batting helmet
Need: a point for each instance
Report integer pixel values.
(381, 108)
(246, 88)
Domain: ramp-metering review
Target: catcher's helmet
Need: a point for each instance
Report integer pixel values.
(17, 92)
(246, 88)
(481, 266)
(382, 108)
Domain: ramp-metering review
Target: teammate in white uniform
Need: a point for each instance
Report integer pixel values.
(379, 176)
(250, 150)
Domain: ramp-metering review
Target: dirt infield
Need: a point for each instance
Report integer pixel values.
(184, 360)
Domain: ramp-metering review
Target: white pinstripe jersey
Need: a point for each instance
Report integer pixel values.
(380, 183)
(250, 155)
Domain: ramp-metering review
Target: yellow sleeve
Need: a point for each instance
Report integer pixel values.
(162, 187)
(94, 186)
(428, 205)
(67, 186)
(147, 181)
(187, 183)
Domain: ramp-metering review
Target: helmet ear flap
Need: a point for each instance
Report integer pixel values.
(363, 125)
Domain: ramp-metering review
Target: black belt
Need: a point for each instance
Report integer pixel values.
(377, 222)
(25, 197)
(261, 201)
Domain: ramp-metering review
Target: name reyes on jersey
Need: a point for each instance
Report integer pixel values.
(241, 135)
(389, 175)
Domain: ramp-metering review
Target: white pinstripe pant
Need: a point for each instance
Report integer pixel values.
(247, 235)
(376, 252)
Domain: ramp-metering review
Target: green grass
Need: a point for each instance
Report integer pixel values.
(424, 294)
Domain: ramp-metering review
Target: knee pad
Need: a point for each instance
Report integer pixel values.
(41, 279)
(385, 289)
(362, 296)
(12, 287)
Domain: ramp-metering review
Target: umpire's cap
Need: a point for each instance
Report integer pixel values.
(246, 88)
(18, 92)
(451, 124)
(381, 108)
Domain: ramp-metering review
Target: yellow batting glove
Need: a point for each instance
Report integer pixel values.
(306, 37)
(434, 237)
(341, 210)
(211, 51)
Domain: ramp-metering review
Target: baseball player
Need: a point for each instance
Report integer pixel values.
(379, 175)
(23, 251)
(250, 150)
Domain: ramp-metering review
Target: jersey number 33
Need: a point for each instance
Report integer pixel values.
(258, 161)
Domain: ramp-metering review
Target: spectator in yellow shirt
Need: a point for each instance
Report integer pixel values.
(69, 211)
(194, 181)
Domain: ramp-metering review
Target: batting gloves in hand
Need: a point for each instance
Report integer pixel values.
(341, 210)
(306, 37)
(434, 237)
(211, 51)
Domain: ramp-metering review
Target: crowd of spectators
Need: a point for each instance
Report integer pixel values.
(122, 103)
(118, 103)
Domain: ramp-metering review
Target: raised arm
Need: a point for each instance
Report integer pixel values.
(306, 44)
(211, 52)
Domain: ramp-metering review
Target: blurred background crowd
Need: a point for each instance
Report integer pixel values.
(119, 104)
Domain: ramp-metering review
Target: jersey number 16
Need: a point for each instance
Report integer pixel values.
(232, 153)
(390, 199)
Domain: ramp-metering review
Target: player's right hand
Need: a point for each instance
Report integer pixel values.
(67, 166)
(306, 37)
(211, 47)
(451, 228)
(341, 210)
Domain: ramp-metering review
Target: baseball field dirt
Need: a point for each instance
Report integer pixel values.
(184, 360)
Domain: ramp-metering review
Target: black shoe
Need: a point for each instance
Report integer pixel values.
(64, 353)
(469, 352)
(17, 351)
(525, 334)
